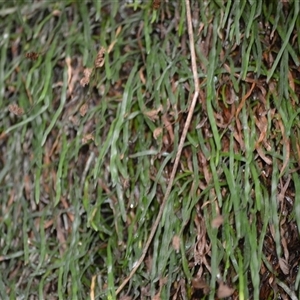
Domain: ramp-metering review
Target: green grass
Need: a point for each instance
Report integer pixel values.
(81, 190)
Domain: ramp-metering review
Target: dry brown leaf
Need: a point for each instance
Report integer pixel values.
(204, 164)
(87, 138)
(73, 76)
(284, 266)
(271, 279)
(92, 289)
(262, 155)
(99, 61)
(162, 282)
(75, 120)
(142, 76)
(217, 221)
(56, 13)
(200, 284)
(291, 81)
(224, 291)
(83, 109)
(157, 296)
(166, 140)
(27, 186)
(239, 139)
(176, 242)
(156, 4)
(32, 55)
(286, 143)
(86, 76)
(285, 247)
(66, 206)
(118, 31)
(60, 235)
(262, 125)
(68, 62)
(241, 105)
(111, 46)
(169, 127)
(157, 132)
(272, 230)
(15, 109)
(153, 114)
(202, 247)
(84, 81)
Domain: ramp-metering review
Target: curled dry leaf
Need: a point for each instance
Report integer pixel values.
(153, 114)
(99, 61)
(15, 109)
(83, 109)
(86, 76)
(88, 137)
(284, 266)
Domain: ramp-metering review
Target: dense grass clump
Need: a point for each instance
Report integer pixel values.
(94, 100)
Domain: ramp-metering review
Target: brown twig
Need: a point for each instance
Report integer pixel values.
(178, 154)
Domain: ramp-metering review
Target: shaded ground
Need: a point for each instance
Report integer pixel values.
(94, 98)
